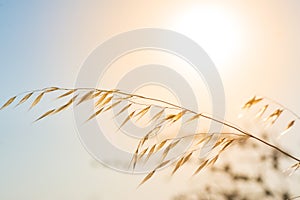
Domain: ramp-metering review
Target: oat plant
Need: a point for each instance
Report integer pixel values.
(136, 107)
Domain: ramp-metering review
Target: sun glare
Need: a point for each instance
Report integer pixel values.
(217, 30)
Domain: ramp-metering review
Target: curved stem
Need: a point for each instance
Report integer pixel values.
(283, 107)
(221, 122)
(227, 124)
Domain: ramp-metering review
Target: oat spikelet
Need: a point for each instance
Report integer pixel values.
(205, 138)
(100, 100)
(142, 153)
(51, 89)
(67, 93)
(178, 164)
(296, 166)
(200, 167)
(127, 119)
(149, 175)
(196, 116)
(95, 114)
(289, 126)
(143, 140)
(227, 144)
(37, 100)
(161, 145)
(178, 116)
(87, 96)
(213, 160)
(169, 117)
(262, 111)
(157, 116)
(112, 105)
(123, 109)
(45, 115)
(292, 169)
(96, 93)
(187, 158)
(168, 148)
(142, 112)
(163, 164)
(8, 102)
(274, 116)
(135, 157)
(25, 98)
(181, 162)
(147, 178)
(151, 151)
(106, 101)
(65, 106)
(251, 102)
(154, 131)
(219, 142)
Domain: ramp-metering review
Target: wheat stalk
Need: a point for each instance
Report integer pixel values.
(104, 101)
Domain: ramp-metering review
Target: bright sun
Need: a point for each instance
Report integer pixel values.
(217, 30)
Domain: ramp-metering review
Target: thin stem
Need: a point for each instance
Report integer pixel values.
(221, 122)
(282, 106)
(227, 124)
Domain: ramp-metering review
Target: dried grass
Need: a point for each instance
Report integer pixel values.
(105, 100)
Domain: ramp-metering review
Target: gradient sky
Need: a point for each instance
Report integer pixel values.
(254, 44)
